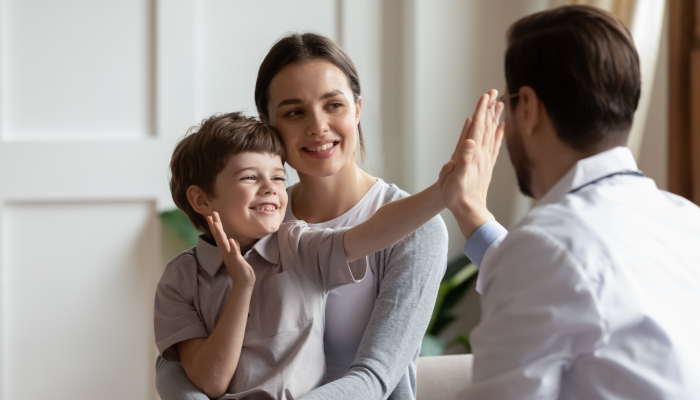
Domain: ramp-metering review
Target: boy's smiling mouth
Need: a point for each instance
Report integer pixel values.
(266, 208)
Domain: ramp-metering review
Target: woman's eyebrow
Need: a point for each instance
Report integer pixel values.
(323, 97)
(288, 101)
(332, 94)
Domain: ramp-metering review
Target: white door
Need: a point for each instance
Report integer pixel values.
(93, 96)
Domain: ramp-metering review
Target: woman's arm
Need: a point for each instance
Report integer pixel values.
(211, 362)
(172, 382)
(410, 273)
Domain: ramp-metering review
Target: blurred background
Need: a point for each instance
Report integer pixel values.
(94, 95)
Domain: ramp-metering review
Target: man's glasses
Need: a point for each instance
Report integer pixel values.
(503, 97)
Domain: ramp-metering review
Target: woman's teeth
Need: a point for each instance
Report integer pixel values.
(321, 148)
(266, 207)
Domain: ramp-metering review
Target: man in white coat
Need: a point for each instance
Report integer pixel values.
(595, 294)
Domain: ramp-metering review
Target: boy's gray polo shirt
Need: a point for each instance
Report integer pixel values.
(282, 355)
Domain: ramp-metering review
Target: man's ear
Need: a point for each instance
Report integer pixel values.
(199, 200)
(529, 108)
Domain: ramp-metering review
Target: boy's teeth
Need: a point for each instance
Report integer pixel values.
(266, 207)
(321, 148)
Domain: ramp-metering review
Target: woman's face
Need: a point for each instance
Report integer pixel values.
(313, 108)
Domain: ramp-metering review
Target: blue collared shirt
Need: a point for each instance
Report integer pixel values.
(481, 240)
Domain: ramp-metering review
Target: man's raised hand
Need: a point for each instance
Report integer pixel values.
(464, 190)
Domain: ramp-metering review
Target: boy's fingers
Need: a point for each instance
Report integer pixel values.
(466, 151)
(462, 137)
(446, 169)
(217, 230)
(234, 245)
(465, 129)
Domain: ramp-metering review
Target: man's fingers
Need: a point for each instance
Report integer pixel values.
(476, 130)
(500, 106)
(499, 139)
(493, 97)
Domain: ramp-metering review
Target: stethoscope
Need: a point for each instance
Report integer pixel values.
(629, 172)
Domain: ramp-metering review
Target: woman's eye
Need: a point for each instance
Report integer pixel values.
(292, 113)
(336, 105)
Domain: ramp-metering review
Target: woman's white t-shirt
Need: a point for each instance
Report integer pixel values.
(348, 307)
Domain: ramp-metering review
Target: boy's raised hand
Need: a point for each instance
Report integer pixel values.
(241, 272)
(464, 189)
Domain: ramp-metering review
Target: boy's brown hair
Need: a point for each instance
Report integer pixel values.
(201, 155)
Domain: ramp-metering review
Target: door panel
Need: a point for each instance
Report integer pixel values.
(77, 69)
(78, 284)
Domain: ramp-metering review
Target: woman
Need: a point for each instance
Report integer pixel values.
(309, 89)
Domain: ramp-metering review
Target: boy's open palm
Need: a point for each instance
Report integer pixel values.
(241, 272)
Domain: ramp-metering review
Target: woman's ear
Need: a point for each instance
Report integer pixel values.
(358, 109)
(262, 118)
(199, 200)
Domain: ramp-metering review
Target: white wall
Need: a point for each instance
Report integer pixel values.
(93, 96)
(442, 56)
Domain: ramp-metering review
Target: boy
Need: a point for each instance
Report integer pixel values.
(255, 328)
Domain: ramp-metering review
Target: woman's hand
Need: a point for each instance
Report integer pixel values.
(241, 272)
(465, 184)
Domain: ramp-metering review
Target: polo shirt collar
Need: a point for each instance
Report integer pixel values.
(210, 260)
(587, 170)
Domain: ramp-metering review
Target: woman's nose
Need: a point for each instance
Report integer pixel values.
(318, 123)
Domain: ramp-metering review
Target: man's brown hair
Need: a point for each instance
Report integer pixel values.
(203, 152)
(582, 63)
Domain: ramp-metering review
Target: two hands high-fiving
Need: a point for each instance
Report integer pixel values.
(463, 182)
(465, 179)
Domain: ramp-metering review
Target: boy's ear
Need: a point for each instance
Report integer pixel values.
(199, 200)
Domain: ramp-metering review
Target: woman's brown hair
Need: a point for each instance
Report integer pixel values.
(299, 48)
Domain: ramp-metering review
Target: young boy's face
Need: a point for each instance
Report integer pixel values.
(251, 195)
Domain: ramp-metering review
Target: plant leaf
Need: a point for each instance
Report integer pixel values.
(431, 346)
(464, 340)
(180, 223)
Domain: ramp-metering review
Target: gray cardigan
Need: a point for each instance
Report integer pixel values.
(408, 276)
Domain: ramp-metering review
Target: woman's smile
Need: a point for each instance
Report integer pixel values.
(321, 148)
